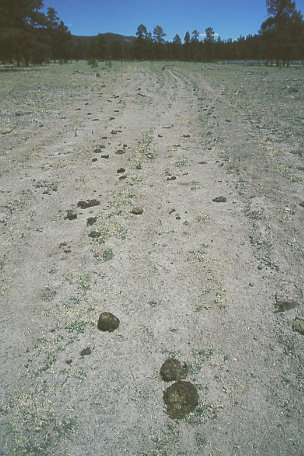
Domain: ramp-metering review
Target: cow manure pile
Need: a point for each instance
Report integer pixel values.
(95, 234)
(86, 351)
(98, 150)
(137, 211)
(91, 221)
(71, 215)
(298, 325)
(181, 397)
(220, 199)
(282, 306)
(88, 203)
(172, 369)
(107, 322)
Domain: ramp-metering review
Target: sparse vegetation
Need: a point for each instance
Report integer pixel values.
(188, 279)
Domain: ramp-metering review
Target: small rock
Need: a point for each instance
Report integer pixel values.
(171, 178)
(137, 211)
(298, 325)
(186, 136)
(160, 136)
(301, 204)
(172, 369)
(181, 398)
(68, 361)
(121, 170)
(88, 203)
(106, 156)
(120, 152)
(71, 215)
(138, 166)
(94, 160)
(107, 322)
(260, 267)
(220, 199)
(86, 351)
(122, 177)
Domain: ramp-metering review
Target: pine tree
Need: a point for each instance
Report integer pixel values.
(158, 35)
(28, 35)
(187, 38)
(142, 48)
(177, 47)
(278, 30)
(141, 32)
(209, 43)
(20, 21)
(195, 36)
(102, 50)
(186, 47)
(116, 51)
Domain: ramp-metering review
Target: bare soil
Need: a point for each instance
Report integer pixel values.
(170, 196)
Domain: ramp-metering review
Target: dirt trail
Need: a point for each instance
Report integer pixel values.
(217, 285)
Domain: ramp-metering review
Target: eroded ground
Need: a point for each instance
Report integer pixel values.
(190, 231)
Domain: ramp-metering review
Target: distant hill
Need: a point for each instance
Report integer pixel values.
(110, 37)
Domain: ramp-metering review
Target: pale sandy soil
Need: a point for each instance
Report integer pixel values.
(217, 285)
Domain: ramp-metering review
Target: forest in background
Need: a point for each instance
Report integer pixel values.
(29, 36)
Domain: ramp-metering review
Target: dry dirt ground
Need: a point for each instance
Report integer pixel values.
(217, 285)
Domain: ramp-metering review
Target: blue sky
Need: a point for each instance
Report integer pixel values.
(228, 18)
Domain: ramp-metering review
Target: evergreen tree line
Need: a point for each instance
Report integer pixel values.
(28, 35)
(280, 40)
